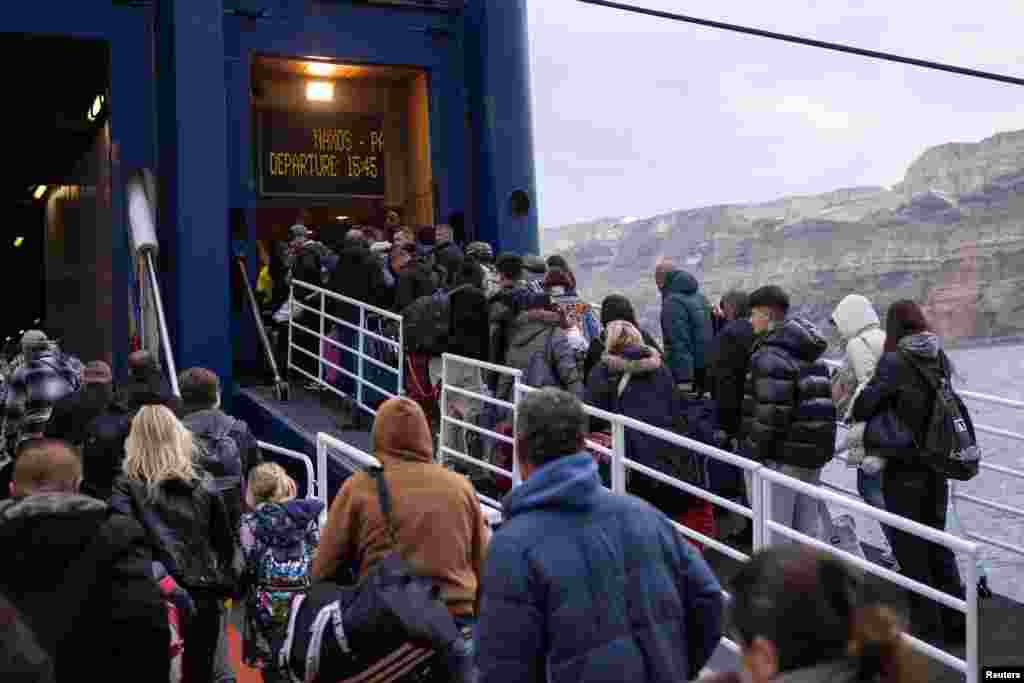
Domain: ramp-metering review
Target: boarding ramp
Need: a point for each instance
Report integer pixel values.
(374, 345)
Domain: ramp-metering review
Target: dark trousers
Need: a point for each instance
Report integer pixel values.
(202, 634)
(923, 496)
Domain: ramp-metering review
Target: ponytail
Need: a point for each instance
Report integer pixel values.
(878, 648)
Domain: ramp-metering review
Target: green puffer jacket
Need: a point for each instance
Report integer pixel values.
(685, 324)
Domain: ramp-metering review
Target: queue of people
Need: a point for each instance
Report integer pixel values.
(133, 516)
(757, 369)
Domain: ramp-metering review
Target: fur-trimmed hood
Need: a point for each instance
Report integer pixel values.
(633, 359)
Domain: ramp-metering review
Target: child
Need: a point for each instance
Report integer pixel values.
(279, 539)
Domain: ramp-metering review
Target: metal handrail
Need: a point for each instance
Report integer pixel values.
(764, 479)
(281, 388)
(955, 494)
(141, 191)
(312, 486)
(322, 295)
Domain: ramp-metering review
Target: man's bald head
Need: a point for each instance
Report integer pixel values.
(46, 466)
(664, 267)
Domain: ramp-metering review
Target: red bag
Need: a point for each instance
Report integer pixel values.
(332, 354)
(503, 456)
(167, 587)
(418, 387)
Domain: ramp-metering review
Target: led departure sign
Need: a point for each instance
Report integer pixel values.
(328, 154)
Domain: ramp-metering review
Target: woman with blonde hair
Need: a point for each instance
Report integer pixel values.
(186, 525)
(633, 380)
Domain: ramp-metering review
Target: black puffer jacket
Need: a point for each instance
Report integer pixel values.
(189, 527)
(470, 327)
(412, 283)
(788, 413)
(122, 625)
(358, 275)
(103, 450)
(728, 365)
(72, 414)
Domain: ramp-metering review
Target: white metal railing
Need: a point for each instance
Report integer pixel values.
(312, 486)
(452, 427)
(954, 487)
(763, 480)
(369, 328)
(357, 459)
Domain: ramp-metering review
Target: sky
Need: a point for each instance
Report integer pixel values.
(637, 116)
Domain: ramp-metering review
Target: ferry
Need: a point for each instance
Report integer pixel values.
(156, 144)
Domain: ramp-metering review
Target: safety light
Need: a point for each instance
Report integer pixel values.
(18, 241)
(320, 91)
(40, 191)
(341, 218)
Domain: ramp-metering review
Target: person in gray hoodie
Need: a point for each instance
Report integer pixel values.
(540, 347)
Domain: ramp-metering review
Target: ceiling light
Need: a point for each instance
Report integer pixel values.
(18, 241)
(40, 191)
(319, 68)
(320, 91)
(341, 218)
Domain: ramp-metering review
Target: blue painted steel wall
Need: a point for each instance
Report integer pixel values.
(192, 164)
(498, 79)
(195, 126)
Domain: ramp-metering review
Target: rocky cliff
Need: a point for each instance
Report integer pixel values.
(950, 236)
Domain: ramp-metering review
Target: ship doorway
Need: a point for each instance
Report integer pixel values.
(335, 146)
(55, 249)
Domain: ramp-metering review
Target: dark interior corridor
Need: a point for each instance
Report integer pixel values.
(55, 255)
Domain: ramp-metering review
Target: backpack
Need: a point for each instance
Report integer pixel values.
(426, 323)
(949, 445)
(540, 371)
(220, 456)
(276, 573)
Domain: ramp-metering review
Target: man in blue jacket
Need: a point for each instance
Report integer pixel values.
(582, 585)
(685, 326)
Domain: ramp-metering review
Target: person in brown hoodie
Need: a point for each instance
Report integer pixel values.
(437, 515)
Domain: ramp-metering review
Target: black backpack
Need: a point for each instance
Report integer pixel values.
(219, 455)
(949, 444)
(426, 323)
